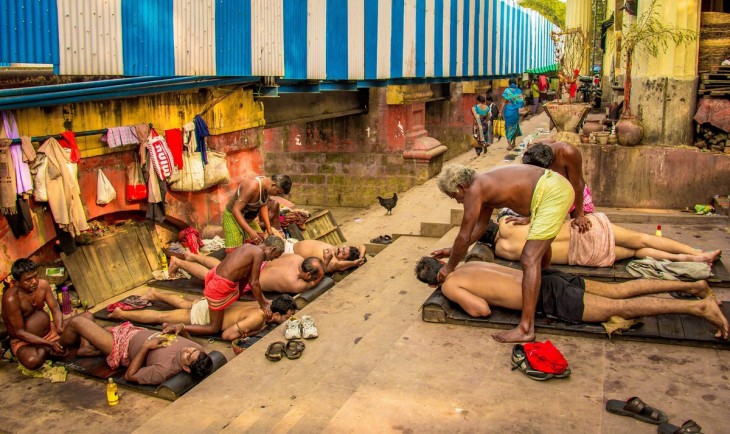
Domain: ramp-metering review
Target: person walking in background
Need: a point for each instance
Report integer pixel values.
(535, 90)
(482, 118)
(513, 102)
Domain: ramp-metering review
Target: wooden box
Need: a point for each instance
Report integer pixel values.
(320, 226)
(113, 264)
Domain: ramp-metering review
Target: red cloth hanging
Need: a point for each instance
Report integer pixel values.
(69, 142)
(175, 143)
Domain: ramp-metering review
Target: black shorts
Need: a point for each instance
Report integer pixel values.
(561, 296)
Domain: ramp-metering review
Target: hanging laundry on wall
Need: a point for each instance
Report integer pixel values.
(23, 180)
(120, 136)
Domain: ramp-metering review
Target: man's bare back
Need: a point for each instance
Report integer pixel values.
(501, 286)
(506, 187)
(237, 265)
(284, 275)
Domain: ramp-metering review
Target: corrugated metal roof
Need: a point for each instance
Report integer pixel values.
(90, 37)
(294, 39)
(194, 30)
(267, 38)
(31, 32)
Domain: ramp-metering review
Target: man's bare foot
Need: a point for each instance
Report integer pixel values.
(86, 349)
(117, 313)
(173, 266)
(150, 295)
(708, 257)
(514, 335)
(712, 313)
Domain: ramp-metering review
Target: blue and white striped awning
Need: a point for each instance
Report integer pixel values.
(294, 39)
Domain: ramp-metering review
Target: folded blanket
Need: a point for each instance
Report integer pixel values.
(594, 248)
(650, 268)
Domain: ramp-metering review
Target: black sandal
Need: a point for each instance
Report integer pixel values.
(275, 352)
(293, 349)
(689, 427)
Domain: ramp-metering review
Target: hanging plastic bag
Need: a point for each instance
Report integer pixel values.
(136, 186)
(192, 175)
(105, 192)
(38, 169)
(498, 128)
(216, 171)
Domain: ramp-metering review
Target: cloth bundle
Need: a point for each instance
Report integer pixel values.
(190, 238)
(297, 217)
(650, 268)
(596, 247)
(133, 302)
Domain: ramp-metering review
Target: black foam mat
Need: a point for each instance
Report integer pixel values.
(673, 329)
(173, 388)
(195, 286)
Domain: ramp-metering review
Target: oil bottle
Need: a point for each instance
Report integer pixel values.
(112, 396)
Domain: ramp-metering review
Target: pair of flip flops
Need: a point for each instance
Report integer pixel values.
(639, 410)
(291, 349)
(382, 239)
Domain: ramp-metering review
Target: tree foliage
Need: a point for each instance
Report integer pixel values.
(553, 10)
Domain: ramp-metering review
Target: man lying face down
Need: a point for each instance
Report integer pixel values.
(150, 358)
(477, 285)
(240, 319)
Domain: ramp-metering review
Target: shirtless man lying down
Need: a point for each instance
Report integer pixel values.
(477, 285)
(240, 319)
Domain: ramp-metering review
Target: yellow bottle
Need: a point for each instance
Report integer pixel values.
(658, 231)
(112, 396)
(163, 260)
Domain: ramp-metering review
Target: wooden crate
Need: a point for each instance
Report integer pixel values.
(320, 226)
(113, 264)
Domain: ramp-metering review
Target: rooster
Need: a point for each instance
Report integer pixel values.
(388, 204)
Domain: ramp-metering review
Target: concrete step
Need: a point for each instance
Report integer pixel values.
(436, 230)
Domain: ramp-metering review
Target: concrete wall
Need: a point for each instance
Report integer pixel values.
(653, 176)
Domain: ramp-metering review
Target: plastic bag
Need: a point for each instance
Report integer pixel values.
(498, 128)
(216, 171)
(136, 187)
(105, 192)
(40, 194)
(192, 175)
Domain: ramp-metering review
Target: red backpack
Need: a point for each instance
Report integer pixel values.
(539, 361)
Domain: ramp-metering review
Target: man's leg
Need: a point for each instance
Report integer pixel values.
(599, 309)
(174, 300)
(530, 260)
(274, 213)
(32, 356)
(195, 269)
(82, 326)
(647, 245)
(149, 316)
(637, 287)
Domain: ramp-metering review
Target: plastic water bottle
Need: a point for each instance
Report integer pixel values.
(65, 301)
(112, 397)
(658, 231)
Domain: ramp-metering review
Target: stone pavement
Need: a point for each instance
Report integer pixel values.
(376, 367)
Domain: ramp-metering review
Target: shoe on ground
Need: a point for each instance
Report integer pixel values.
(293, 329)
(309, 331)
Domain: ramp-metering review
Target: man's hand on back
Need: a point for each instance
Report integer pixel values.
(582, 223)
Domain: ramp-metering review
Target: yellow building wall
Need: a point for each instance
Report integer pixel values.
(237, 111)
(579, 13)
(679, 61)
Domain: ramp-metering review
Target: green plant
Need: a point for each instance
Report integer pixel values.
(648, 34)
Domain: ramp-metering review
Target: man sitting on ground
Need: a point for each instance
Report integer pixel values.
(477, 285)
(33, 335)
(223, 279)
(149, 357)
(343, 258)
(290, 273)
(241, 319)
(603, 244)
